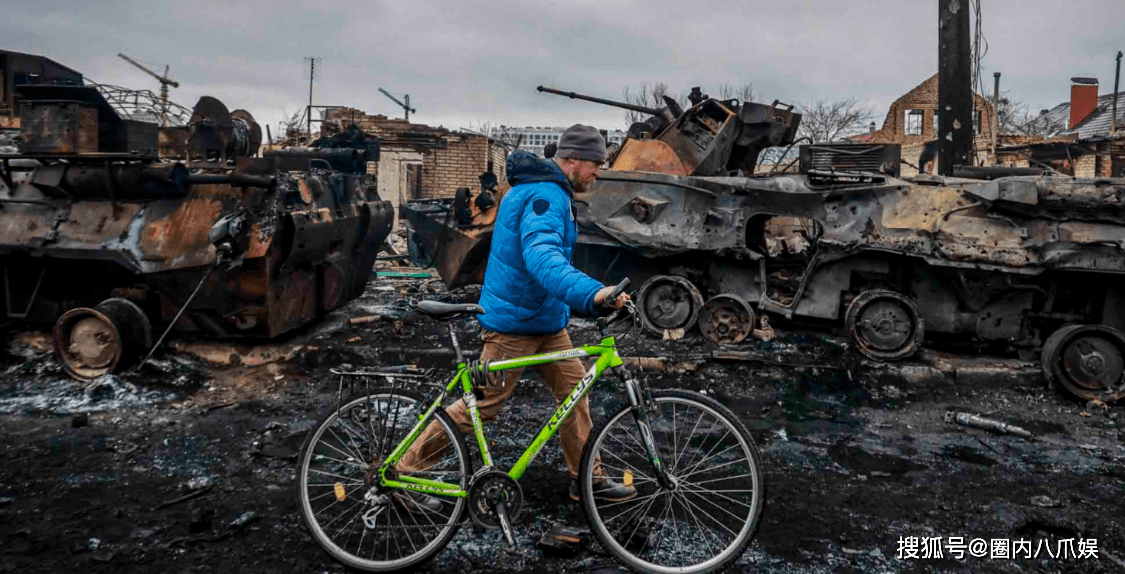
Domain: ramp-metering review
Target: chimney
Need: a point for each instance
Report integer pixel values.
(871, 128)
(1083, 99)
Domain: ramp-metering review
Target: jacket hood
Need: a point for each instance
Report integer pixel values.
(525, 167)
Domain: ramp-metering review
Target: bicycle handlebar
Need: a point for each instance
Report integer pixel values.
(617, 291)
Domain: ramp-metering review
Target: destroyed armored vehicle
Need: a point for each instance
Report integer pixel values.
(1025, 265)
(113, 229)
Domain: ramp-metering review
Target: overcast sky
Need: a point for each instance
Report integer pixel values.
(464, 62)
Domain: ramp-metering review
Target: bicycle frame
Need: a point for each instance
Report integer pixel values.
(607, 358)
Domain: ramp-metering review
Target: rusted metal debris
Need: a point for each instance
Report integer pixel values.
(107, 225)
(977, 421)
(1010, 265)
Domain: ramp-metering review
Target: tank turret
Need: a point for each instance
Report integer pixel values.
(711, 138)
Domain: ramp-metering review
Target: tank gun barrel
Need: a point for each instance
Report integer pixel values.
(574, 96)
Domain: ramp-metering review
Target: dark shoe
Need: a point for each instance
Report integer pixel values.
(604, 489)
(417, 502)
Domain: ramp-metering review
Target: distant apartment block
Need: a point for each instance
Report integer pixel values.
(534, 138)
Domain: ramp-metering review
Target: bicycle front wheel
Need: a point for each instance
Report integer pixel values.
(703, 524)
(359, 524)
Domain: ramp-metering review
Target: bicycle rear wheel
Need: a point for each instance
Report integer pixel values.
(708, 520)
(358, 524)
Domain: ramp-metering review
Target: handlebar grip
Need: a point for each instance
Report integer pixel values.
(618, 290)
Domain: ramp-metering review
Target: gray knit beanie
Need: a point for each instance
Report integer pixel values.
(581, 142)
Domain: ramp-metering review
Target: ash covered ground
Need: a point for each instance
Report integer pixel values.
(94, 476)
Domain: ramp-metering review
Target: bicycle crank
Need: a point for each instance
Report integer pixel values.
(495, 502)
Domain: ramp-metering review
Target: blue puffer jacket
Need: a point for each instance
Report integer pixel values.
(529, 284)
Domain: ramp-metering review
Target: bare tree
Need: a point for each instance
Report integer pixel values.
(290, 131)
(504, 135)
(1015, 118)
(826, 121)
(742, 92)
(652, 96)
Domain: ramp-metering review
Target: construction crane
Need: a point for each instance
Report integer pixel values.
(405, 106)
(164, 80)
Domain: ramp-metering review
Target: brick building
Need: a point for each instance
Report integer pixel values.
(912, 122)
(422, 162)
(1078, 137)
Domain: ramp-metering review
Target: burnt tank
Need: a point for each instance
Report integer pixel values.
(1021, 264)
(115, 230)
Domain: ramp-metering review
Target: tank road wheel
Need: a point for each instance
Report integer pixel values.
(884, 325)
(105, 339)
(1088, 360)
(669, 302)
(727, 319)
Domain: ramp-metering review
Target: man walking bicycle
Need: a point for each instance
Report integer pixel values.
(530, 286)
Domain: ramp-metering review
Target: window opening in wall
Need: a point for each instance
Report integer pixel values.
(414, 180)
(976, 122)
(935, 121)
(914, 122)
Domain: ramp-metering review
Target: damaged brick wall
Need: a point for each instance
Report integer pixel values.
(449, 159)
(924, 99)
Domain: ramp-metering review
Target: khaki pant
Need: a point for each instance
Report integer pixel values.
(561, 376)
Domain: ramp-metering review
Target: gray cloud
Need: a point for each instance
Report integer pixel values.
(467, 62)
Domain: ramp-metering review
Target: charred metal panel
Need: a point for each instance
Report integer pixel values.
(61, 127)
(883, 158)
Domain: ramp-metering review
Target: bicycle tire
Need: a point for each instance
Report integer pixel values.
(308, 516)
(623, 416)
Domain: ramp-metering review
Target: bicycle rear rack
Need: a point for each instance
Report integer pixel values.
(352, 380)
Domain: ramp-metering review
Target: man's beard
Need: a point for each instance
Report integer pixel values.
(579, 187)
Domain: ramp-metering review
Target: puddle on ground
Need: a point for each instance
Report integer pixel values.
(969, 455)
(63, 397)
(861, 461)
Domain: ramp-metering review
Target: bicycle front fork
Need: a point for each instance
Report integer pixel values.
(639, 398)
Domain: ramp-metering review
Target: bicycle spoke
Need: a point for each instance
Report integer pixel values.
(709, 456)
(687, 441)
(351, 454)
(637, 500)
(622, 443)
(705, 534)
(336, 460)
(708, 469)
(738, 502)
(718, 479)
(331, 474)
(708, 534)
(675, 437)
(634, 470)
(688, 463)
(641, 519)
(347, 454)
(720, 507)
(663, 524)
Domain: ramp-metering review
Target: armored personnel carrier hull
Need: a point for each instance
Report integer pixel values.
(115, 230)
(1027, 265)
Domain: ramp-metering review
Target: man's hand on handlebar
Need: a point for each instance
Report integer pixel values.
(599, 298)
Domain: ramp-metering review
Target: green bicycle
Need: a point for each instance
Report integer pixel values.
(695, 467)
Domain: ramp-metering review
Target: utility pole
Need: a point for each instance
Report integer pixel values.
(1116, 81)
(405, 106)
(995, 114)
(955, 90)
(308, 110)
